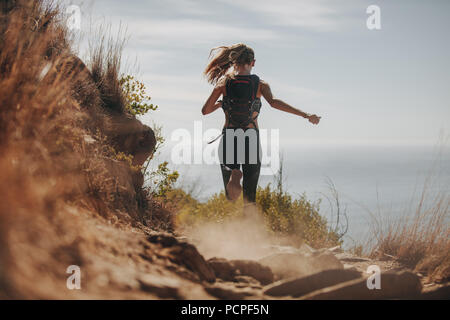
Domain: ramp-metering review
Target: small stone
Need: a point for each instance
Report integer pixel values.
(301, 286)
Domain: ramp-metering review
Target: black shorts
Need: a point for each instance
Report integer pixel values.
(241, 148)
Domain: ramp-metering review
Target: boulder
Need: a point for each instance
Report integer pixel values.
(349, 267)
(306, 249)
(246, 281)
(442, 293)
(442, 274)
(226, 291)
(130, 136)
(394, 285)
(223, 269)
(289, 265)
(254, 269)
(229, 270)
(300, 286)
(183, 253)
(126, 133)
(168, 287)
(163, 287)
(336, 249)
(347, 257)
(187, 254)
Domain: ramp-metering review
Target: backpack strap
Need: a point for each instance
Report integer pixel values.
(255, 84)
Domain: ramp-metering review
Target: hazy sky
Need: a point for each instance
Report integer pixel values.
(383, 86)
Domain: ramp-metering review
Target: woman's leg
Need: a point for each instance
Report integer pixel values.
(250, 184)
(226, 175)
(231, 173)
(251, 170)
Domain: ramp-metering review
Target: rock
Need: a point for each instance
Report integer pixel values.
(394, 285)
(227, 291)
(288, 265)
(306, 249)
(442, 293)
(326, 261)
(336, 249)
(347, 257)
(223, 269)
(168, 287)
(442, 274)
(184, 253)
(349, 267)
(282, 249)
(301, 286)
(247, 281)
(126, 133)
(130, 136)
(229, 270)
(188, 255)
(254, 269)
(163, 287)
(165, 239)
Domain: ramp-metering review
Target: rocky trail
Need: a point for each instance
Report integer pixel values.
(123, 262)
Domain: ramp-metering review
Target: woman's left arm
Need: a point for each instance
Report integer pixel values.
(211, 104)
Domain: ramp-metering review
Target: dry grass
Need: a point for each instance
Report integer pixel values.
(420, 240)
(53, 117)
(105, 57)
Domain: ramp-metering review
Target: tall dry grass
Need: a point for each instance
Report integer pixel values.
(105, 62)
(420, 239)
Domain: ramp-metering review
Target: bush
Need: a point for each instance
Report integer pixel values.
(161, 179)
(295, 219)
(137, 99)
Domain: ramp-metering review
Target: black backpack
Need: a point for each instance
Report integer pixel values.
(240, 101)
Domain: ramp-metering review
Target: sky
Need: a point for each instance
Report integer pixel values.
(384, 87)
(380, 93)
(370, 86)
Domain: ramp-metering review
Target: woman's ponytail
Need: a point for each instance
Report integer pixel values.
(225, 58)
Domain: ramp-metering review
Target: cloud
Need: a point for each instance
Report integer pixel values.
(318, 15)
(182, 88)
(191, 32)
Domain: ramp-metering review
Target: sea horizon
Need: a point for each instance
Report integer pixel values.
(376, 178)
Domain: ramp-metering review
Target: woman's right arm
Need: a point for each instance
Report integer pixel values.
(211, 104)
(283, 106)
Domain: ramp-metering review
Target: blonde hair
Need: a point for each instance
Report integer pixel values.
(226, 57)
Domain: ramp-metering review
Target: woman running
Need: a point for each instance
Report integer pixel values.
(230, 71)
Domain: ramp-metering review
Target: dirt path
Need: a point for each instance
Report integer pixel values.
(119, 261)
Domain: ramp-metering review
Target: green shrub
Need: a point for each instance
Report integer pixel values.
(160, 179)
(136, 98)
(295, 219)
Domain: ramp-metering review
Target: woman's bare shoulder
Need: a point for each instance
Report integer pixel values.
(263, 83)
(220, 85)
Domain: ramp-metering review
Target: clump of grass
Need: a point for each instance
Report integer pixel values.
(105, 57)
